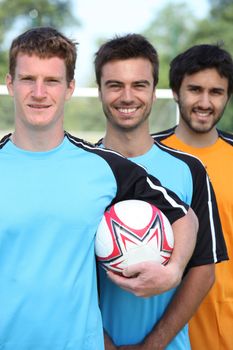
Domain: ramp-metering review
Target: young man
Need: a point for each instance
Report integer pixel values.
(127, 73)
(55, 189)
(202, 82)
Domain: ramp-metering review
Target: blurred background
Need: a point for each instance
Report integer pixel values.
(171, 26)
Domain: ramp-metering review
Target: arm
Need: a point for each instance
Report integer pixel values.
(188, 297)
(108, 343)
(151, 278)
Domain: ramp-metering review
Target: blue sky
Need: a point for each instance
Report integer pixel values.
(105, 18)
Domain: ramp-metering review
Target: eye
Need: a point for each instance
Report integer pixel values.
(140, 85)
(52, 81)
(27, 79)
(194, 88)
(217, 92)
(114, 86)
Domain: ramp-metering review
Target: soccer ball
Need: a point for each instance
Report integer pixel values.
(133, 231)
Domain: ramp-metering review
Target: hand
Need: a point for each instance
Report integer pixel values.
(148, 278)
(108, 343)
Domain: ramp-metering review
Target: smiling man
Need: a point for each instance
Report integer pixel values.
(127, 74)
(202, 82)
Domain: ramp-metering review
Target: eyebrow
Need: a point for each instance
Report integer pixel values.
(218, 88)
(23, 75)
(146, 82)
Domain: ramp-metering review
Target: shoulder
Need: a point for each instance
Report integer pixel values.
(114, 159)
(4, 140)
(162, 135)
(89, 147)
(226, 136)
(195, 165)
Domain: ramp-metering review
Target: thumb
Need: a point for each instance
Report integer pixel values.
(133, 270)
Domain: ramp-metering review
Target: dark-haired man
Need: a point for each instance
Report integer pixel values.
(127, 74)
(202, 82)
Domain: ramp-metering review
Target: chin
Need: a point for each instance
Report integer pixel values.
(202, 130)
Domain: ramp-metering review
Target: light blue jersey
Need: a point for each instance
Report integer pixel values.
(127, 318)
(51, 205)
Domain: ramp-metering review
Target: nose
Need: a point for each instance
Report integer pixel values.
(127, 95)
(39, 89)
(205, 100)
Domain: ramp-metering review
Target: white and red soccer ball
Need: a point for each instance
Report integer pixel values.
(133, 231)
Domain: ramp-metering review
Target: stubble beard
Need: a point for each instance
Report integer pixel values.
(202, 129)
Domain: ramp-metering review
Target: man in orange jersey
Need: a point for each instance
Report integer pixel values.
(201, 79)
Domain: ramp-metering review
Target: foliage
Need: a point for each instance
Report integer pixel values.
(21, 15)
(175, 29)
(6, 113)
(217, 27)
(28, 13)
(169, 33)
(42, 12)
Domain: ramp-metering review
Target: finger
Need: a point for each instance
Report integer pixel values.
(121, 281)
(143, 267)
(133, 270)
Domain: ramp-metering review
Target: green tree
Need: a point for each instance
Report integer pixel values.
(20, 15)
(175, 29)
(28, 13)
(169, 32)
(217, 27)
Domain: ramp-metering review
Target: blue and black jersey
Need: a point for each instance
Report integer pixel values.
(51, 205)
(127, 318)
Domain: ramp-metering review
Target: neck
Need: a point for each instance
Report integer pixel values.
(37, 141)
(130, 144)
(194, 139)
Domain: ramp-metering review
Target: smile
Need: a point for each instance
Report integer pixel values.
(202, 113)
(127, 110)
(39, 106)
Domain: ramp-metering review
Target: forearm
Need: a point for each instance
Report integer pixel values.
(108, 343)
(185, 234)
(188, 297)
(151, 278)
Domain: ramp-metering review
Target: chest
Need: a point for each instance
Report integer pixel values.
(68, 192)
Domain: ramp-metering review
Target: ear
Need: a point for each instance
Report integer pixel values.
(70, 89)
(99, 93)
(9, 84)
(175, 96)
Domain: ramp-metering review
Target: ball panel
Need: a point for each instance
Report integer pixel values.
(133, 231)
(127, 211)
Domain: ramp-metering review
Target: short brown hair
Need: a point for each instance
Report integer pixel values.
(123, 48)
(44, 42)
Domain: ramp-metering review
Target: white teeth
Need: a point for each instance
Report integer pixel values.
(127, 110)
(203, 114)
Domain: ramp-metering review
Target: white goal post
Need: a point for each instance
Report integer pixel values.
(93, 92)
